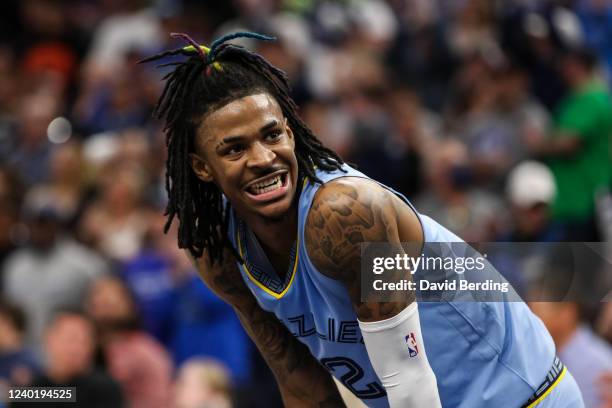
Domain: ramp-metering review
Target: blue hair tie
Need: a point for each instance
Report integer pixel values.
(214, 48)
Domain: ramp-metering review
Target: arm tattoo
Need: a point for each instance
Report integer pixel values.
(279, 348)
(344, 215)
(302, 380)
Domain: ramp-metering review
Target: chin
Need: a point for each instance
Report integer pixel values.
(276, 212)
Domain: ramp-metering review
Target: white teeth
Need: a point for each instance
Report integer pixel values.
(267, 185)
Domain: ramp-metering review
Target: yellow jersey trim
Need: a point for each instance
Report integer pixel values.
(295, 263)
(536, 402)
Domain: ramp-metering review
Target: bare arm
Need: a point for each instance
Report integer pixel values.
(345, 214)
(303, 382)
(564, 145)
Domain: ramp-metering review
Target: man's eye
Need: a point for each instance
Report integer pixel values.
(272, 136)
(233, 150)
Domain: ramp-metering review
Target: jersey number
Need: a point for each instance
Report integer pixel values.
(354, 374)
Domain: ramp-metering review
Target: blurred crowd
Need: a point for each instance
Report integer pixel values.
(492, 117)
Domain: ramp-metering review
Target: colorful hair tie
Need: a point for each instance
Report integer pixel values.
(208, 55)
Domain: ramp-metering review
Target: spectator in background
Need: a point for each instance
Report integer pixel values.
(492, 113)
(420, 53)
(112, 151)
(178, 308)
(585, 354)
(201, 315)
(134, 146)
(202, 383)
(471, 28)
(151, 275)
(66, 187)
(116, 222)
(52, 270)
(117, 103)
(531, 39)
(26, 147)
(413, 131)
(578, 149)
(18, 365)
(69, 350)
(332, 122)
(290, 51)
(450, 197)
(518, 107)
(473, 117)
(136, 360)
(530, 192)
(50, 46)
(126, 27)
(514, 117)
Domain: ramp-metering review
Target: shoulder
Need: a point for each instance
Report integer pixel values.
(351, 201)
(346, 213)
(349, 189)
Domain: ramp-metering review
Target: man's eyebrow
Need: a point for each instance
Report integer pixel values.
(270, 125)
(232, 139)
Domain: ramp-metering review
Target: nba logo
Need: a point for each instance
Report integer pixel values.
(411, 342)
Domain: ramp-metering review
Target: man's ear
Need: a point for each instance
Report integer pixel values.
(201, 168)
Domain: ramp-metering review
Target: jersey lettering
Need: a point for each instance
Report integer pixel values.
(353, 375)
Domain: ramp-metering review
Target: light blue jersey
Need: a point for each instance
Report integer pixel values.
(483, 354)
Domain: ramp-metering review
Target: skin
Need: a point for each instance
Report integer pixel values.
(302, 381)
(234, 147)
(11, 338)
(350, 211)
(69, 343)
(240, 143)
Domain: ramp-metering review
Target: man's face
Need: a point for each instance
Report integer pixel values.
(69, 344)
(247, 150)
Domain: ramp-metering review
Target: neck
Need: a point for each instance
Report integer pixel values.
(276, 236)
(276, 239)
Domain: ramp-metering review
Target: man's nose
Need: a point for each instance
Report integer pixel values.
(260, 156)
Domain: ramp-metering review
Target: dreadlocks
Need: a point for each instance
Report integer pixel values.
(195, 88)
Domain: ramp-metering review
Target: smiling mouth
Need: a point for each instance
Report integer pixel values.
(269, 188)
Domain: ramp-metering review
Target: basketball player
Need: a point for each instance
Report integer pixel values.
(275, 221)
